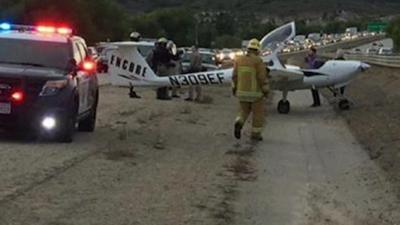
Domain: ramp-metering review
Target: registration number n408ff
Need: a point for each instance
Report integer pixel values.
(5, 108)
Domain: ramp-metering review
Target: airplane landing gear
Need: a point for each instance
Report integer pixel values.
(284, 107)
(132, 93)
(344, 104)
(284, 104)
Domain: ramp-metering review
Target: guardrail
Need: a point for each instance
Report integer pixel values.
(380, 60)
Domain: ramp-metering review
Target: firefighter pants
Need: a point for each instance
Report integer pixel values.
(258, 111)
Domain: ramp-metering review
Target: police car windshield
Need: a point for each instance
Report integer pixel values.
(34, 53)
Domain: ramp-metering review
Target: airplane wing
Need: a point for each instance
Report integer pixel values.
(285, 79)
(286, 75)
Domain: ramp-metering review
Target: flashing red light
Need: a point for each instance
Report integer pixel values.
(53, 30)
(46, 29)
(64, 30)
(89, 66)
(17, 96)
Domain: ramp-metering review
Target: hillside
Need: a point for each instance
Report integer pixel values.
(276, 7)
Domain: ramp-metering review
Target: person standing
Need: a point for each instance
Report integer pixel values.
(311, 61)
(160, 60)
(196, 65)
(250, 85)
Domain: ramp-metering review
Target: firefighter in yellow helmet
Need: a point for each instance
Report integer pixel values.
(250, 85)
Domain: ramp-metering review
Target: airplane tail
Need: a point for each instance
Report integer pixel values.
(273, 42)
(127, 67)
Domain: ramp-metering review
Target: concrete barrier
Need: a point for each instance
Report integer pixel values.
(380, 60)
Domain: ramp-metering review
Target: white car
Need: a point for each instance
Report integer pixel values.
(372, 51)
(208, 58)
(385, 51)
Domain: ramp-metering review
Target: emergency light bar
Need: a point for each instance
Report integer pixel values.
(39, 29)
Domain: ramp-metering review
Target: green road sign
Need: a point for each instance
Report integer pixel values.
(377, 26)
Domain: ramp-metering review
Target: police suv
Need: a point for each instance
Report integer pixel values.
(48, 82)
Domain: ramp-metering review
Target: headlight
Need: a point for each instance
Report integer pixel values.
(232, 55)
(52, 87)
(49, 123)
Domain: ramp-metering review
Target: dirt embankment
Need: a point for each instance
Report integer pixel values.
(375, 118)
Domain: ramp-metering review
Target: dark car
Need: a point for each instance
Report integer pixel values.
(48, 82)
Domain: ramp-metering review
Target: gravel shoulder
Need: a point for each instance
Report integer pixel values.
(149, 162)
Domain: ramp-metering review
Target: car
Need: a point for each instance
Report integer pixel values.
(93, 52)
(385, 51)
(372, 51)
(209, 61)
(48, 82)
(357, 51)
(226, 55)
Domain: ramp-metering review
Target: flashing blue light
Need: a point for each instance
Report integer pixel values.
(5, 26)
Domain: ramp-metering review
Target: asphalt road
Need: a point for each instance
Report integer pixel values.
(387, 43)
(311, 170)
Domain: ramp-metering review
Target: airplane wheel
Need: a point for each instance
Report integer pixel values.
(344, 104)
(284, 107)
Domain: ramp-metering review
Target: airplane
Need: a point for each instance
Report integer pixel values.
(128, 68)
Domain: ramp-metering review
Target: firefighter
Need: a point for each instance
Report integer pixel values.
(161, 60)
(250, 85)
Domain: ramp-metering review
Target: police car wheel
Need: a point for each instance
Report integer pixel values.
(88, 124)
(284, 107)
(67, 130)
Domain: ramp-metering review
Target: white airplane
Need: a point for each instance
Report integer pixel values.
(128, 68)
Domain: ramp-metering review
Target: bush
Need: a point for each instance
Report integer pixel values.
(95, 20)
(393, 31)
(228, 41)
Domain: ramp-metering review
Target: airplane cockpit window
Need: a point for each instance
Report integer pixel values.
(278, 37)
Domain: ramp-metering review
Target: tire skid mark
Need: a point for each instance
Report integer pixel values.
(239, 168)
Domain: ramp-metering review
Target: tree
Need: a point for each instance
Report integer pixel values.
(95, 20)
(175, 23)
(394, 32)
(228, 41)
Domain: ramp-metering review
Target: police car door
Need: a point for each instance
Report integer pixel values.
(83, 80)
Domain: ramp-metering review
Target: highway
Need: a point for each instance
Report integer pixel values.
(387, 43)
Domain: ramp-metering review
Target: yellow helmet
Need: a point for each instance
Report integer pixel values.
(254, 44)
(162, 40)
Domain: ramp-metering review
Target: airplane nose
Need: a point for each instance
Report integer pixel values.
(364, 67)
